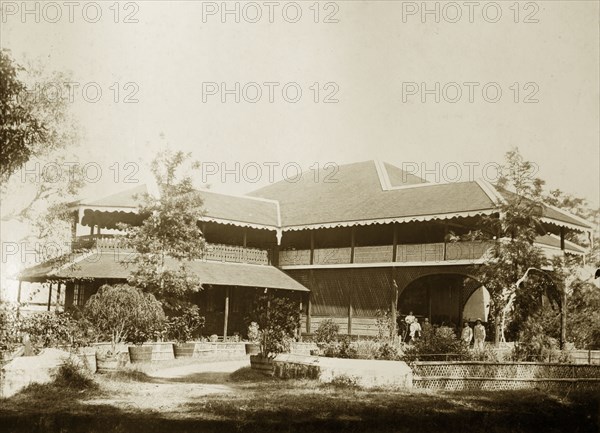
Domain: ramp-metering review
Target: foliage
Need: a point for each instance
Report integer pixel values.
(279, 319)
(439, 344)
(182, 326)
(514, 253)
(584, 315)
(71, 375)
(10, 326)
(254, 333)
(361, 349)
(385, 324)
(344, 381)
(169, 232)
(327, 332)
(50, 329)
(536, 343)
(125, 313)
(39, 170)
(21, 128)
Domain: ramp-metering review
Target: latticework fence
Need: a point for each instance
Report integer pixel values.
(504, 376)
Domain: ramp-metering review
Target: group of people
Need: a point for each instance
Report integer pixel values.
(414, 327)
(477, 334)
(468, 334)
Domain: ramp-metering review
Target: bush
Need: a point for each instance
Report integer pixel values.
(361, 349)
(254, 333)
(327, 332)
(279, 319)
(385, 325)
(125, 313)
(182, 326)
(10, 326)
(440, 344)
(52, 329)
(71, 375)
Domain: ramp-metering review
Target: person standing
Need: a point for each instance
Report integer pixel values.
(479, 334)
(467, 334)
(415, 330)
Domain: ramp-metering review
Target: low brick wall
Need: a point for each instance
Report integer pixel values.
(25, 370)
(302, 348)
(504, 376)
(364, 372)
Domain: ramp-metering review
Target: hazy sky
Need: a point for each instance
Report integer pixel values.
(377, 59)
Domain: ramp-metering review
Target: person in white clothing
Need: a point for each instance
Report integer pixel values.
(415, 330)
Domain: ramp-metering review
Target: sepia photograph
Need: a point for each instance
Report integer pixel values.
(300, 216)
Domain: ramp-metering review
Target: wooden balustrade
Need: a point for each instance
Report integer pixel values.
(405, 253)
(213, 252)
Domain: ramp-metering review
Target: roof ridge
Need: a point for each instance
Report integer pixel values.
(249, 197)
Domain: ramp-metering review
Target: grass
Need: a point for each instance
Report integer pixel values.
(133, 401)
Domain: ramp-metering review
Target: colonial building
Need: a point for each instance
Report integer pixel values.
(370, 238)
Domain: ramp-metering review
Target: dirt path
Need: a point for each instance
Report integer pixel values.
(166, 389)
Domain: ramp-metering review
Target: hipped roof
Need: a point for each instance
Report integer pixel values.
(115, 265)
(361, 193)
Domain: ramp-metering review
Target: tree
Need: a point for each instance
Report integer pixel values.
(515, 252)
(39, 172)
(20, 129)
(278, 318)
(124, 313)
(169, 237)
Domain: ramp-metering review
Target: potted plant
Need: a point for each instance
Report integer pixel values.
(279, 318)
(181, 329)
(121, 313)
(254, 334)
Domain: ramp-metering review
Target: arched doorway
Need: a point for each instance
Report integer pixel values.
(441, 298)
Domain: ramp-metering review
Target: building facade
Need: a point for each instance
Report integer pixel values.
(369, 238)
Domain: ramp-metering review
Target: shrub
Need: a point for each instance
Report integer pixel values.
(50, 329)
(327, 332)
(125, 313)
(254, 333)
(71, 375)
(440, 344)
(182, 326)
(279, 319)
(385, 325)
(344, 381)
(361, 349)
(10, 326)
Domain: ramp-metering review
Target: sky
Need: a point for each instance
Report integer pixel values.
(504, 74)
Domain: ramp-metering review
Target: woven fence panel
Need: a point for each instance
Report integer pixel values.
(504, 376)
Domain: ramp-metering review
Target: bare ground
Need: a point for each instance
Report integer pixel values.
(190, 396)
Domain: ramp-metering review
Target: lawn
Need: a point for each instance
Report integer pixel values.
(135, 400)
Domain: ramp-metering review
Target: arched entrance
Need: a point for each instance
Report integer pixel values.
(442, 298)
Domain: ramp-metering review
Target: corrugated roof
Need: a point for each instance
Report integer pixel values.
(112, 265)
(361, 192)
(554, 241)
(240, 209)
(355, 193)
(552, 214)
(121, 199)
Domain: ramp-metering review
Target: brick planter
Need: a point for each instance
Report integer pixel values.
(262, 364)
